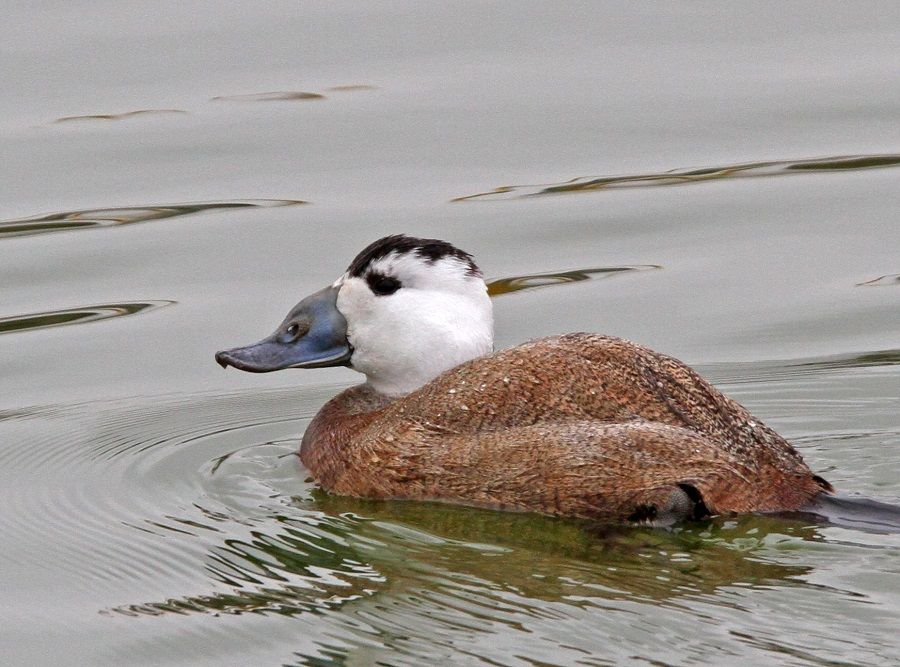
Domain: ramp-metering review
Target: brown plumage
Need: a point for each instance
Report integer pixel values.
(578, 425)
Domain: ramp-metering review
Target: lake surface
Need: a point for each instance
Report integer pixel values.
(719, 182)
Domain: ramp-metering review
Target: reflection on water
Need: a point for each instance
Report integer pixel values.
(109, 217)
(275, 96)
(292, 95)
(794, 369)
(82, 315)
(882, 281)
(532, 281)
(852, 512)
(881, 358)
(279, 572)
(352, 88)
(683, 176)
(119, 116)
(407, 546)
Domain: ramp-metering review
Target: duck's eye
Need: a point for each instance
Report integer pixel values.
(293, 330)
(382, 285)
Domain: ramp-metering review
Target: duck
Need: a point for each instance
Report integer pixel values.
(578, 425)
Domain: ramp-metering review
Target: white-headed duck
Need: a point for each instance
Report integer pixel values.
(579, 425)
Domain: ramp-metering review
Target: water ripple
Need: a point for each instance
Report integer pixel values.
(755, 372)
(119, 116)
(111, 217)
(352, 88)
(275, 96)
(685, 176)
(882, 281)
(81, 315)
(499, 286)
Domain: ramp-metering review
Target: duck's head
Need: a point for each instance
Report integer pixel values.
(406, 310)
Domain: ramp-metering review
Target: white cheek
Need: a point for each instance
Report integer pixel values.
(354, 300)
(364, 322)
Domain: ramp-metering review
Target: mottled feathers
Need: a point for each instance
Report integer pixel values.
(578, 425)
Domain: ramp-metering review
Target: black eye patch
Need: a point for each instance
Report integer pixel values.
(381, 284)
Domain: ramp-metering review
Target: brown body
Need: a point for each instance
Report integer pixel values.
(577, 425)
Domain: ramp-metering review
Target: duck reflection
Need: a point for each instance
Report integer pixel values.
(335, 551)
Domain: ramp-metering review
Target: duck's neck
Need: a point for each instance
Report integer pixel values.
(327, 439)
(397, 375)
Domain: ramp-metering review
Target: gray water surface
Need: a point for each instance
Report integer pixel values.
(720, 182)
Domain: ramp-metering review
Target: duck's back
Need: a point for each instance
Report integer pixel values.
(579, 424)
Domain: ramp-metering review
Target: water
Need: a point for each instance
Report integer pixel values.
(719, 182)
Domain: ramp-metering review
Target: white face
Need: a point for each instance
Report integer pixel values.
(410, 318)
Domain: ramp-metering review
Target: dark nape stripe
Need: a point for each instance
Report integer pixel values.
(429, 249)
